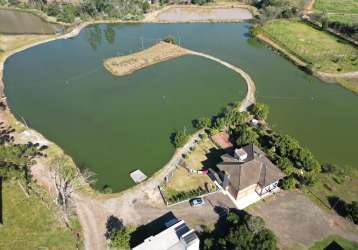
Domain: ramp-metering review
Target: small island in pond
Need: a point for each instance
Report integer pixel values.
(162, 51)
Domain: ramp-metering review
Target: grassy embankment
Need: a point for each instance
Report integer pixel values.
(322, 51)
(29, 224)
(323, 244)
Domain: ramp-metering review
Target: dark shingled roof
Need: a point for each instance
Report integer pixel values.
(255, 169)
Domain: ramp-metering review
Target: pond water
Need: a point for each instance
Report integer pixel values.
(21, 22)
(113, 125)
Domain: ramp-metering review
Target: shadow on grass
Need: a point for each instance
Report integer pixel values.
(213, 158)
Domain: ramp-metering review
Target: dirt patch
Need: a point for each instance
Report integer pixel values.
(124, 65)
(204, 14)
(297, 222)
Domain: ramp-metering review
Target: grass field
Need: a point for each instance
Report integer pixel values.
(29, 224)
(348, 19)
(338, 184)
(184, 181)
(337, 6)
(325, 52)
(345, 244)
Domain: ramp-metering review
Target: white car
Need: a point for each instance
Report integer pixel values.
(197, 202)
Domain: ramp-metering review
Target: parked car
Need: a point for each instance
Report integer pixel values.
(197, 202)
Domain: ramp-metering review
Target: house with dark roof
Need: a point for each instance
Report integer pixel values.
(246, 175)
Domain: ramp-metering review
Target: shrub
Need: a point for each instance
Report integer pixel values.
(260, 110)
(328, 168)
(53, 9)
(120, 238)
(107, 189)
(180, 138)
(203, 122)
(289, 183)
(170, 39)
(67, 15)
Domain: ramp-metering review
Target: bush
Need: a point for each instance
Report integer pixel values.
(120, 238)
(67, 15)
(180, 137)
(289, 183)
(203, 122)
(53, 9)
(328, 168)
(170, 39)
(107, 189)
(260, 111)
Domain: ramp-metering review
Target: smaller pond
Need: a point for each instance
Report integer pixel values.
(20, 22)
(204, 14)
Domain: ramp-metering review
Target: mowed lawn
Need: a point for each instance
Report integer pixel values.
(337, 6)
(185, 181)
(325, 52)
(29, 224)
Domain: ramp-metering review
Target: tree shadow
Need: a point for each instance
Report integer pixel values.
(213, 157)
(333, 246)
(113, 224)
(339, 205)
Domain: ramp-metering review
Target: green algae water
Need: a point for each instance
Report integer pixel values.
(113, 125)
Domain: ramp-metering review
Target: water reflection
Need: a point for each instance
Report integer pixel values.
(94, 35)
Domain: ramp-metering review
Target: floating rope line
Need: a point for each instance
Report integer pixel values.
(87, 73)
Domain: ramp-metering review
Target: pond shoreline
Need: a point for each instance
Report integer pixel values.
(75, 30)
(324, 76)
(90, 204)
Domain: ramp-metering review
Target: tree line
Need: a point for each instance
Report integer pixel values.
(87, 9)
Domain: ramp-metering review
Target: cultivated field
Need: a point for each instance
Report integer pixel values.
(29, 224)
(335, 6)
(325, 52)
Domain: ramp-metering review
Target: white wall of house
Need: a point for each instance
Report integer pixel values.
(269, 188)
(246, 191)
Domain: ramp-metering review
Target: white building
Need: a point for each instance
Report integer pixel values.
(177, 236)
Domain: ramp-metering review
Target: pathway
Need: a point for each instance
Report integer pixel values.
(251, 88)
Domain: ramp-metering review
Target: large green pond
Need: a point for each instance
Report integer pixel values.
(113, 125)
